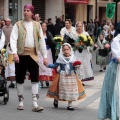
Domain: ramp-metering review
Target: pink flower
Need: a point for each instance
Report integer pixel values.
(107, 46)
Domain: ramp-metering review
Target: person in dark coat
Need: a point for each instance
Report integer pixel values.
(57, 28)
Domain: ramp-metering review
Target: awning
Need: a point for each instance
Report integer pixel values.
(77, 1)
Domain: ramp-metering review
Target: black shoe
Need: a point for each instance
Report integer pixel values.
(47, 84)
(55, 103)
(83, 84)
(12, 85)
(100, 70)
(70, 108)
(104, 68)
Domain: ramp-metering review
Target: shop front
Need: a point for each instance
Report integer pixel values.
(79, 10)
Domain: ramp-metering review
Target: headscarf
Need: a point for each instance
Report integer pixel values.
(62, 58)
(117, 31)
(30, 7)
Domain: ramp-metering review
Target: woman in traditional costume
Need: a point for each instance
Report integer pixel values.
(85, 73)
(68, 32)
(45, 74)
(102, 53)
(110, 97)
(66, 86)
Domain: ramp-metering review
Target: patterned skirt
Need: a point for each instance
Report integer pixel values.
(66, 88)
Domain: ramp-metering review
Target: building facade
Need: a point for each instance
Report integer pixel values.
(76, 10)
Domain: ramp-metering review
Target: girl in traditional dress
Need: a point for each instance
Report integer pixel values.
(45, 74)
(66, 86)
(102, 53)
(85, 73)
(110, 96)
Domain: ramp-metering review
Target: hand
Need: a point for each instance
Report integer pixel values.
(16, 58)
(77, 44)
(95, 45)
(119, 60)
(45, 61)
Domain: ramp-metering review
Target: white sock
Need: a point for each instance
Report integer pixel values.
(34, 93)
(20, 93)
(69, 103)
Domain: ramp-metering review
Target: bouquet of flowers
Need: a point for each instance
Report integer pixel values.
(59, 42)
(83, 41)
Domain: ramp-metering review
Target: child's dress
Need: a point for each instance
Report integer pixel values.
(66, 86)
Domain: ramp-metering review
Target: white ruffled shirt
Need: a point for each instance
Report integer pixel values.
(2, 41)
(115, 46)
(29, 42)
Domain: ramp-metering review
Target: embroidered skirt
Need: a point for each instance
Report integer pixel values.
(66, 88)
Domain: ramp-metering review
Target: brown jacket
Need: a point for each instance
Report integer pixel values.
(7, 31)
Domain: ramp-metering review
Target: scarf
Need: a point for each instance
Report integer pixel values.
(62, 59)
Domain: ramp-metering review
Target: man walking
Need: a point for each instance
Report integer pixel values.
(25, 40)
(7, 29)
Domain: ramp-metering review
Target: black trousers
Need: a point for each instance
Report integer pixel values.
(26, 63)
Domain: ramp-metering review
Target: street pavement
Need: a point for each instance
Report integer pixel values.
(85, 109)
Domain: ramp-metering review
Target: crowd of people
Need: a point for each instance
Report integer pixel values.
(29, 46)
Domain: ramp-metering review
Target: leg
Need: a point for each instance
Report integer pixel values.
(101, 70)
(70, 106)
(34, 73)
(20, 70)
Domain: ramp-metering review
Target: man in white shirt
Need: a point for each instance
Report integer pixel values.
(25, 40)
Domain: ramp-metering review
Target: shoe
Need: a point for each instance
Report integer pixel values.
(70, 108)
(100, 70)
(55, 103)
(37, 109)
(104, 68)
(20, 108)
(83, 84)
(12, 85)
(47, 84)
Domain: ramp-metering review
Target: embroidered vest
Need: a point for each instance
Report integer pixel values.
(22, 36)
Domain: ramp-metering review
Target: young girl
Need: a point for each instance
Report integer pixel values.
(66, 86)
(102, 54)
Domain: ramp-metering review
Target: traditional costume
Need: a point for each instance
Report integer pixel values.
(26, 40)
(66, 86)
(110, 97)
(85, 73)
(102, 53)
(45, 74)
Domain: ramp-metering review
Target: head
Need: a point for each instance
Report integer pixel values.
(2, 23)
(44, 27)
(79, 27)
(66, 49)
(8, 21)
(108, 22)
(45, 21)
(91, 21)
(49, 20)
(58, 20)
(101, 37)
(68, 23)
(37, 17)
(112, 27)
(28, 12)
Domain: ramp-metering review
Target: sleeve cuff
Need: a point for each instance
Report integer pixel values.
(44, 56)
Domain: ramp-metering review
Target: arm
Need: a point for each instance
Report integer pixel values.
(13, 39)
(55, 65)
(42, 44)
(2, 41)
(115, 47)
